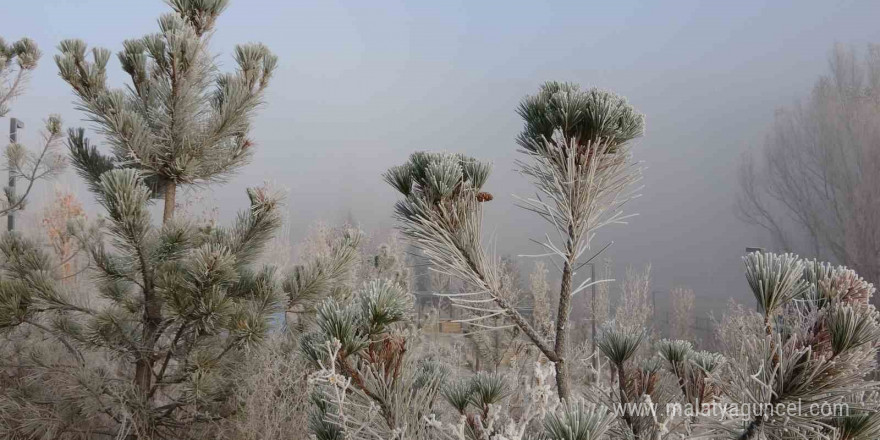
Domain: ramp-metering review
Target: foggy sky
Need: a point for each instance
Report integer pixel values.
(361, 85)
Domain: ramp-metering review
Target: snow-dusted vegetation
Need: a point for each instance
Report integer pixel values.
(129, 322)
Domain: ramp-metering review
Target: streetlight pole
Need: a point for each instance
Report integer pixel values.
(14, 125)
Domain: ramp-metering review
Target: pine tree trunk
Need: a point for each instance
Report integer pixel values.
(170, 201)
(624, 399)
(152, 318)
(143, 375)
(561, 347)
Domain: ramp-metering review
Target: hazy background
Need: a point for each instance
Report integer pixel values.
(363, 84)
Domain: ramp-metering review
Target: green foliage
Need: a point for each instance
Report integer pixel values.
(341, 324)
(214, 305)
(675, 352)
(459, 394)
(618, 345)
(585, 116)
(322, 276)
(368, 384)
(440, 211)
(707, 361)
(488, 389)
(850, 329)
(318, 420)
(168, 312)
(383, 304)
(180, 121)
(200, 14)
(481, 390)
(432, 179)
(379, 306)
(774, 279)
(577, 422)
(24, 53)
(814, 272)
(14, 304)
(858, 425)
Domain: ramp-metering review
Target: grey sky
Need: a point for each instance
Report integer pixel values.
(363, 84)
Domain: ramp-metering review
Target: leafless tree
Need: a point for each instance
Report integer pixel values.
(682, 323)
(814, 184)
(540, 299)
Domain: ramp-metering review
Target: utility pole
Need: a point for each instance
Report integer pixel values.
(14, 125)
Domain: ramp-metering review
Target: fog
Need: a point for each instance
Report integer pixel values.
(363, 84)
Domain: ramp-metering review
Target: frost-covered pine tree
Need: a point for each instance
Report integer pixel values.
(812, 348)
(180, 121)
(17, 60)
(327, 273)
(149, 348)
(367, 384)
(576, 153)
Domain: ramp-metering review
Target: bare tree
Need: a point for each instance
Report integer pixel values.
(540, 300)
(682, 323)
(814, 185)
(635, 310)
(64, 208)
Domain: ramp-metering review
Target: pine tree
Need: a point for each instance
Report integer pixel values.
(180, 121)
(17, 60)
(173, 309)
(576, 145)
(327, 273)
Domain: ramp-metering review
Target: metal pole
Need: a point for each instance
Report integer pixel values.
(14, 125)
